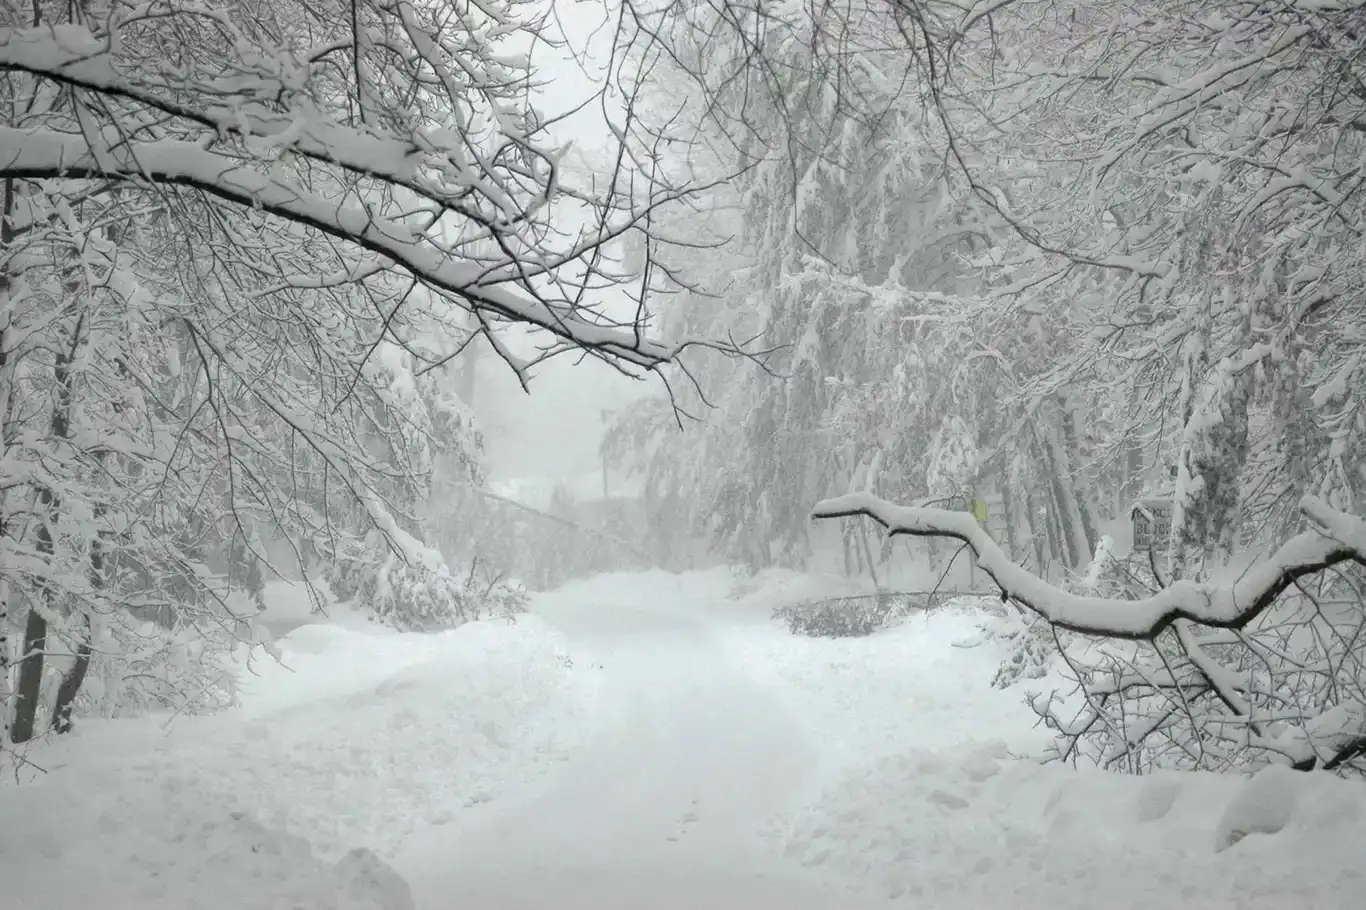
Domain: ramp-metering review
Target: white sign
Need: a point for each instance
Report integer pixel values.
(1152, 519)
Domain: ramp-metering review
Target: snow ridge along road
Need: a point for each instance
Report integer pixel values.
(662, 806)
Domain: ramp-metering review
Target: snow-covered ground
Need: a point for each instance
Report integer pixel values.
(359, 738)
(930, 800)
(648, 740)
(924, 684)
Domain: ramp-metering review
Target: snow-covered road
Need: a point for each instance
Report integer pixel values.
(661, 807)
(646, 740)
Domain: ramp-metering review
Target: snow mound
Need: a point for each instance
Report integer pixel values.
(917, 839)
(367, 882)
(929, 798)
(359, 739)
(382, 734)
(1155, 798)
(163, 856)
(1277, 801)
(1264, 805)
(926, 681)
(971, 827)
(927, 795)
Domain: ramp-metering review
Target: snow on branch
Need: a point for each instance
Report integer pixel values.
(37, 154)
(1222, 606)
(427, 150)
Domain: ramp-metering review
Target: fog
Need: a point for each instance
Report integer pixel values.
(553, 432)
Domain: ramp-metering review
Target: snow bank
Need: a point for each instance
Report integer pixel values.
(970, 828)
(360, 738)
(166, 852)
(460, 717)
(926, 799)
(926, 681)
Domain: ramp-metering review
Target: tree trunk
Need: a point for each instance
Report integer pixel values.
(868, 554)
(1056, 549)
(468, 377)
(1067, 531)
(1015, 530)
(1072, 524)
(1037, 539)
(1047, 508)
(1071, 448)
(35, 634)
(6, 238)
(5, 694)
(30, 678)
(71, 684)
(844, 547)
(74, 677)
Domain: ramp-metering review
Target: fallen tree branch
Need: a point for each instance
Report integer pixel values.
(1230, 606)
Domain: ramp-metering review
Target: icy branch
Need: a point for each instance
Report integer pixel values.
(1223, 606)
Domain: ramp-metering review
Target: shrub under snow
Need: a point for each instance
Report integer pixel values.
(853, 616)
(138, 666)
(415, 596)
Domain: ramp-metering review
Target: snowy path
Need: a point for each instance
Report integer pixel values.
(694, 755)
(660, 808)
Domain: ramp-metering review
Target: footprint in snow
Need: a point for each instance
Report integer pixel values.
(948, 800)
(686, 819)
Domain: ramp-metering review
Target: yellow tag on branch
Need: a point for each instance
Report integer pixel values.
(979, 510)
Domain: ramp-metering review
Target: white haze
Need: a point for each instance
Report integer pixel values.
(553, 433)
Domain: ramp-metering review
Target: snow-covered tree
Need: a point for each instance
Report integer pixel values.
(848, 246)
(236, 243)
(1141, 265)
(398, 133)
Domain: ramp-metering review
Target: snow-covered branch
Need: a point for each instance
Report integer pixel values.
(37, 154)
(399, 132)
(1224, 606)
(74, 57)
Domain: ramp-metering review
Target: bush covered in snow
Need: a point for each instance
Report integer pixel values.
(366, 882)
(1033, 649)
(138, 667)
(422, 597)
(849, 617)
(1035, 645)
(839, 617)
(1287, 689)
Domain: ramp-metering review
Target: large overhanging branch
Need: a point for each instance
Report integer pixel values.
(40, 154)
(72, 56)
(1341, 538)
